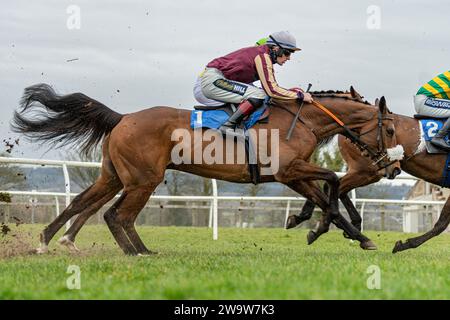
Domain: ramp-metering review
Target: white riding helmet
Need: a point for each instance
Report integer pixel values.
(284, 40)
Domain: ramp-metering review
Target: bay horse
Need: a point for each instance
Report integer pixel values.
(361, 172)
(137, 149)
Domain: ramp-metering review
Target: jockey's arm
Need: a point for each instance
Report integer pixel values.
(264, 67)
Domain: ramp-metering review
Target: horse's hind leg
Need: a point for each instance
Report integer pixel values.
(135, 239)
(122, 215)
(89, 201)
(116, 228)
(78, 204)
(109, 190)
(86, 203)
(439, 227)
(141, 198)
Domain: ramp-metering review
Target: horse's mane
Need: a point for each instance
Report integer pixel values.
(327, 94)
(325, 141)
(336, 94)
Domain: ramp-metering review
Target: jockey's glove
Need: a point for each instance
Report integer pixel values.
(300, 96)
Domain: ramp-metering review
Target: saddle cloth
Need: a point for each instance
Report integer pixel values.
(429, 127)
(213, 118)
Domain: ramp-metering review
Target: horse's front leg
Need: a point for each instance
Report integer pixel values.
(352, 180)
(314, 196)
(304, 215)
(300, 171)
(438, 228)
(311, 190)
(355, 179)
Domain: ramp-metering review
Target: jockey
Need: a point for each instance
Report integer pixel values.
(433, 99)
(229, 78)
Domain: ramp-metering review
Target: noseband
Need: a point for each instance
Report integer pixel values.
(378, 156)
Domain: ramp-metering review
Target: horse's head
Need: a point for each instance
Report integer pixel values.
(379, 136)
(372, 129)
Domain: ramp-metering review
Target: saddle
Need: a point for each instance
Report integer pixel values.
(250, 151)
(421, 116)
(230, 108)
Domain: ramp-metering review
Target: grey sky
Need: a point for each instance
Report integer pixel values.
(152, 51)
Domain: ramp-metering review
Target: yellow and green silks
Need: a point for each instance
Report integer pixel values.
(438, 87)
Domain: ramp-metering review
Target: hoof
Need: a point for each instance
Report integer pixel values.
(291, 222)
(147, 254)
(368, 245)
(42, 249)
(311, 237)
(399, 246)
(68, 243)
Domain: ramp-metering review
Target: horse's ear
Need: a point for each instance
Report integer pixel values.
(355, 94)
(382, 105)
(377, 101)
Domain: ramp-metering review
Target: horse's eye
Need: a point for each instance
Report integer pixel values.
(390, 131)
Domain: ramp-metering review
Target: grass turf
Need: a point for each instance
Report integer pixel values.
(242, 264)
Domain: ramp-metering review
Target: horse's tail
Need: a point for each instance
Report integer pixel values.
(63, 119)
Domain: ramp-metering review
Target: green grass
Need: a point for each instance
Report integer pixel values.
(242, 264)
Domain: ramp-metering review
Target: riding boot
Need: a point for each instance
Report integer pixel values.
(244, 109)
(439, 139)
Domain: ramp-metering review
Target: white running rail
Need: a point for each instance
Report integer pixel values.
(214, 198)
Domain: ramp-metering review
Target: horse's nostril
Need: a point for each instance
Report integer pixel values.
(395, 173)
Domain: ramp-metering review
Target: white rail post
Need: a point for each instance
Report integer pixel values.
(67, 183)
(354, 197)
(215, 210)
(33, 201)
(56, 206)
(354, 203)
(210, 219)
(288, 209)
(362, 215)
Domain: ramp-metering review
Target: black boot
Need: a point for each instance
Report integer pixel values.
(244, 109)
(438, 140)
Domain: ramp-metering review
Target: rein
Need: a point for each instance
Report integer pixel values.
(376, 155)
(329, 113)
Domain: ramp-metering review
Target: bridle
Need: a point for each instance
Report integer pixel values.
(379, 155)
